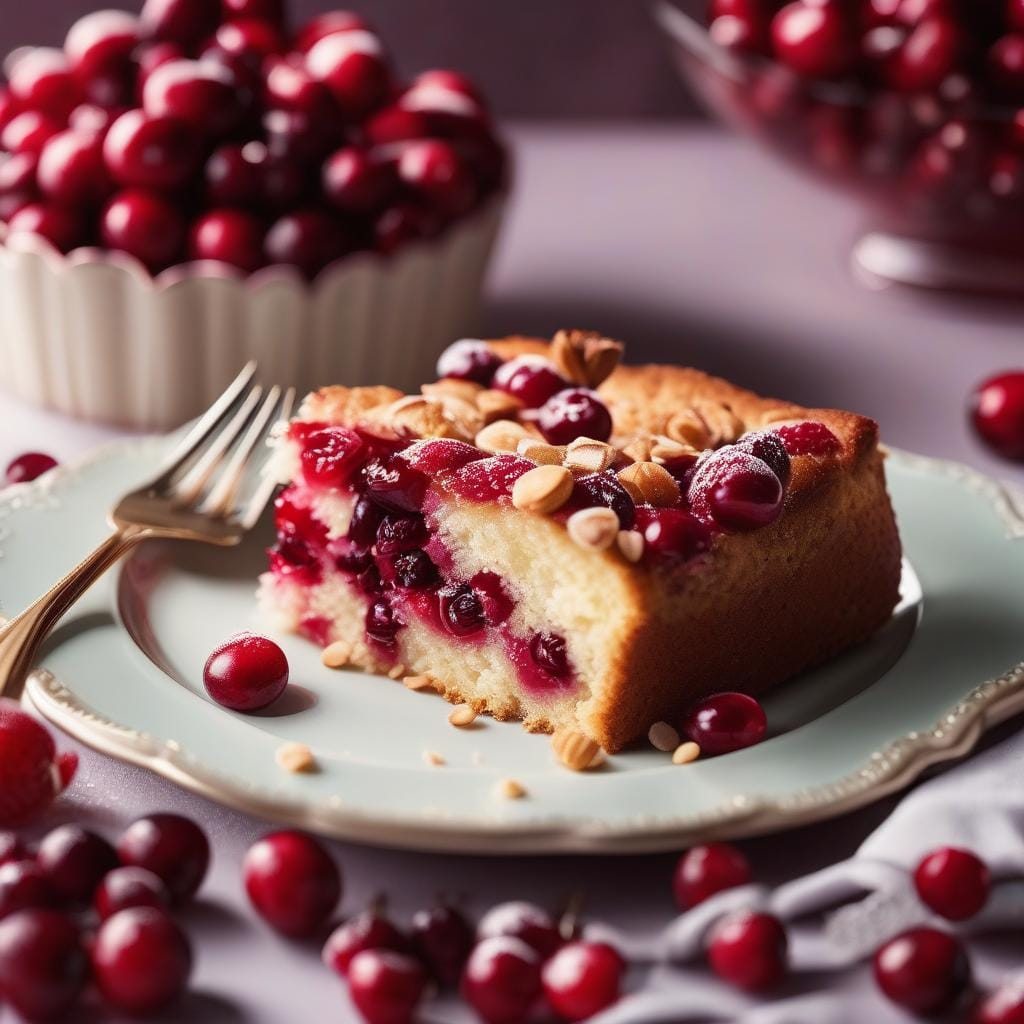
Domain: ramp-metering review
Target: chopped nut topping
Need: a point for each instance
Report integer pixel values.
(453, 387)
(593, 528)
(540, 452)
(689, 428)
(588, 456)
(396, 671)
(339, 404)
(631, 544)
(723, 424)
(510, 789)
(462, 715)
(650, 484)
(585, 357)
(418, 683)
(501, 436)
(433, 758)
(497, 405)
(336, 655)
(664, 448)
(685, 753)
(421, 417)
(639, 449)
(296, 758)
(576, 750)
(542, 490)
(663, 737)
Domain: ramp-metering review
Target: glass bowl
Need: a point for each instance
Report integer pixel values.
(940, 175)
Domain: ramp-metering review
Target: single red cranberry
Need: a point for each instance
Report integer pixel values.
(284, 182)
(919, 60)
(9, 107)
(59, 225)
(246, 673)
(997, 413)
(201, 93)
(809, 437)
(402, 223)
(395, 124)
(12, 848)
(141, 960)
(749, 950)
(71, 169)
(149, 57)
(604, 490)
(452, 81)
(954, 883)
(461, 610)
(576, 412)
(525, 921)
(327, 24)
(295, 135)
(228, 236)
(250, 39)
(725, 722)
(129, 887)
(353, 66)
(489, 479)
(175, 849)
(41, 79)
(28, 467)
(151, 152)
(1006, 66)
(386, 987)
(394, 484)
(442, 939)
(531, 379)
(548, 650)
(448, 113)
(357, 181)
(233, 175)
(369, 930)
(582, 979)
(330, 456)
(812, 39)
(735, 491)
(440, 455)
(27, 758)
(381, 624)
(18, 174)
(365, 521)
(74, 861)
(308, 240)
(288, 86)
(292, 882)
(434, 170)
(144, 225)
(185, 22)
(494, 597)
(28, 132)
(672, 536)
(1003, 1006)
(502, 979)
(704, 871)
(923, 970)
(767, 446)
(469, 359)
(24, 886)
(100, 41)
(43, 963)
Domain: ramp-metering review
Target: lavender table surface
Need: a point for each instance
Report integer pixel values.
(693, 247)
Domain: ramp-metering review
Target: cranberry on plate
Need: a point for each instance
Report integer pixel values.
(246, 673)
(924, 970)
(28, 467)
(954, 883)
(725, 722)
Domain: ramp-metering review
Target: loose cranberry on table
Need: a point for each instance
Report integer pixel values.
(32, 773)
(44, 966)
(24, 886)
(129, 887)
(749, 950)
(582, 979)
(997, 412)
(28, 467)
(386, 987)
(703, 871)
(502, 980)
(141, 960)
(369, 930)
(74, 861)
(174, 848)
(524, 921)
(292, 882)
(923, 970)
(12, 848)
(1003, 1006)
(725, 722)
(954, 883)
(442, 939)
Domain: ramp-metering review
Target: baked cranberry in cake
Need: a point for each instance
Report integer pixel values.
(547, 559)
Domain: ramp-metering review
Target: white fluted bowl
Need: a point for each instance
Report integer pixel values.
(94, 335)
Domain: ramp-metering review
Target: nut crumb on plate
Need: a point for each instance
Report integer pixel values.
(575, 750)
(433, 758)
(510, 789)
(663, 737)
(417, 682)
(685, 753)
(336, 655)
(462, 715)
(296, 758)
(396, 671)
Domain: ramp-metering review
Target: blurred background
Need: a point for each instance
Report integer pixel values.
(574, 59)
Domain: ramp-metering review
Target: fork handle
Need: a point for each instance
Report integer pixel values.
(21, 638)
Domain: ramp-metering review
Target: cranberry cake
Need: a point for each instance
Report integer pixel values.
(549, 536)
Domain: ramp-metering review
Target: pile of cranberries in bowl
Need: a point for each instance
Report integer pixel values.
(916, 105)
(211, 130)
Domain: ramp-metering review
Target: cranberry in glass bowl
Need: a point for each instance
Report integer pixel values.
(910, 108)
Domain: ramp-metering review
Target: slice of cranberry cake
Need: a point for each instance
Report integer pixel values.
(549, 536)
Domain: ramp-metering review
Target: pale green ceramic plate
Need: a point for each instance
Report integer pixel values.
(123, 674)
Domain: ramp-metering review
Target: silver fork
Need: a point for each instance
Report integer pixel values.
(198, 494)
